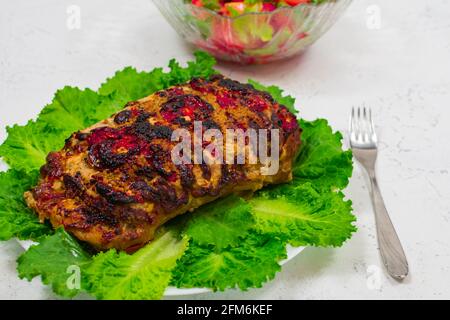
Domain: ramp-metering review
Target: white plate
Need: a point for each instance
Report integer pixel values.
(172, 291)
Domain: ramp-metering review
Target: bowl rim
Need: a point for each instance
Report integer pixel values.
(266, 13)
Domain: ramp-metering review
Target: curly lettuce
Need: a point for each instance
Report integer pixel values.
(16, 219)
(322, 161)
(222, 223)
(229, 243)
(247, 265)
(303, 216)
(65, 265)
(144, 275)
(58, 259)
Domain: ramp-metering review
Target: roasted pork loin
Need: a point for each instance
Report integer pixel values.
(114, 184)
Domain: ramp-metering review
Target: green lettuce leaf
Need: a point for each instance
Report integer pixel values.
(225, 251)
(321, 160)
(16, 219)
(143, 275)
(71, 110)
(129, 84)
(202, 67)
(303, 216)
(58, 259)
(247, 265)
(221, 223)
(26, 147)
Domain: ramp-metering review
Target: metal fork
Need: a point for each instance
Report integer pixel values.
(363, 141)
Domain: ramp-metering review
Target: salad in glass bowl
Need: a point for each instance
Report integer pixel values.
(252, 31)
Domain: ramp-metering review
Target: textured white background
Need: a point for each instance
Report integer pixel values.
(401, 70)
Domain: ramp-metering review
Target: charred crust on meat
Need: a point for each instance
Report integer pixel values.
(122, 117)
(206, 171)
(113, 196)
(45, 195)
(97, 213)
(186, 175)
(102, 156)
(160, 132)
(146, 171)
(267, 96)
(144, 190)
(276, 121)
(73, 184)
(144, 130)
(186, 105)
(174, 91)
(182, 122)
(112, 148)
(161, 94)
(166, 193)
(143, 117)
(81, 136)
(254, 125)
(68, 141)
(203, 191)
(53, 167)
(197, 83)
(230, 174)
(158, 158)
(202, 85)
(216, 77)
(160, 192)
(233, 85)
(210, 124)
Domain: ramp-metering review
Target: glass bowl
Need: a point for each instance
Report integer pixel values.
(252, 38)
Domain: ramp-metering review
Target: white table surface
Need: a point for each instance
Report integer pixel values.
(401, 70)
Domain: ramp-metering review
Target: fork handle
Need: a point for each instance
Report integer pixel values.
(391, 249)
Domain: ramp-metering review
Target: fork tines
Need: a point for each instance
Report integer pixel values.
(362, 129)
